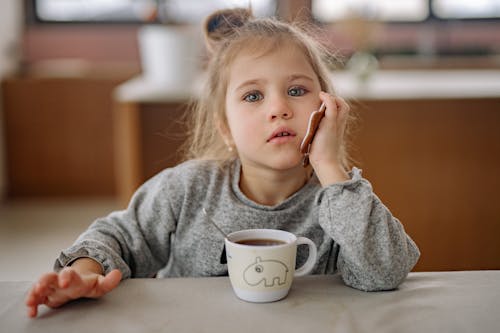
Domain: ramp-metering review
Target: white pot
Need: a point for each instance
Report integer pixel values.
(170, 55)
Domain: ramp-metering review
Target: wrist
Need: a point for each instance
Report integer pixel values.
(87, 265)
(330, 173)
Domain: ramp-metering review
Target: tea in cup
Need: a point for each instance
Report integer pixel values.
(261, 263)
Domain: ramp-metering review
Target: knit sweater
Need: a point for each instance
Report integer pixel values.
(164, 232)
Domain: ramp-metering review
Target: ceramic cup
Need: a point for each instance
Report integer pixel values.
(261, 263)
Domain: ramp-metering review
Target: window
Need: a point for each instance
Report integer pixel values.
(466, 9)
(383, 10)
(180, 11)
(93, 10)
(405, 10)
(195, 10)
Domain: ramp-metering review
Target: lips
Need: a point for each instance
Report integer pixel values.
(282, 132)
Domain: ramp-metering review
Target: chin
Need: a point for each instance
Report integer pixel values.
(286, 163)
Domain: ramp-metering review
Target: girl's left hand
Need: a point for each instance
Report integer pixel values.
(327, 147)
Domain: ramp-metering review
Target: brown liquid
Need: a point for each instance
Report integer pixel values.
(261, 242)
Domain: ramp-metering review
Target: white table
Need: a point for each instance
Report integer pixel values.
(382, 85)
(426, 302)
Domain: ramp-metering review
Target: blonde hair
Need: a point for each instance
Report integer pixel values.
(228, 33)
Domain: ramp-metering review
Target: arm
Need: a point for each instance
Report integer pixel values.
(125, 243)
(135, 241)
(128, 243)
(375, 252)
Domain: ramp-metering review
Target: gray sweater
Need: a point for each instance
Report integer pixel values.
(164, 232)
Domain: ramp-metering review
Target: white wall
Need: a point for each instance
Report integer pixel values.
(11, 19)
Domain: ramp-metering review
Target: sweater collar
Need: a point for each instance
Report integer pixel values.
(305, 191)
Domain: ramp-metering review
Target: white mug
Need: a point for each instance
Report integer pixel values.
(261, 263)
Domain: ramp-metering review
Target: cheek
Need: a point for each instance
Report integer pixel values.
(240, 120)
(303, 121)
(244, 130)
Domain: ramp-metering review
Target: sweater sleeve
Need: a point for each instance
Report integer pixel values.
(136, 240)
(375, 252)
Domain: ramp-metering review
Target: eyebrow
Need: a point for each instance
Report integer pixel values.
(292, 77)
(300, 76)
(248, 83)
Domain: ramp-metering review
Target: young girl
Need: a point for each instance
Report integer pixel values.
(244, 167)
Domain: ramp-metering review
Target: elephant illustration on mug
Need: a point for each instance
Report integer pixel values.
(268, 271)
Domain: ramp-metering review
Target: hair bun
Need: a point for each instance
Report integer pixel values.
(223, 23)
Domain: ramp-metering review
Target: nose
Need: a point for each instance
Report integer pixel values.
(279, 108)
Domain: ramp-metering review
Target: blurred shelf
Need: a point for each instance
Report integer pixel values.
(419, 84)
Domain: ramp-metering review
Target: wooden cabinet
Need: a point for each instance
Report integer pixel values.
(148, 136)
(59, 136)
(435, 164)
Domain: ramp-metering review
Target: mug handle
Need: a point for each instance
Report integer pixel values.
(311, 260)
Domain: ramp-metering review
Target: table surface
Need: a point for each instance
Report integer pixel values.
(426, 302)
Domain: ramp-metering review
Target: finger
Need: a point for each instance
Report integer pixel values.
(74, 285)
(33, 299)
(66, 277)
(32, 294)
(109, 282)
(342, 105)
(46, 285)
(53, 288)
(38, 293)
(344, 109)
(32, 311)
(331, 105)
(47, 279)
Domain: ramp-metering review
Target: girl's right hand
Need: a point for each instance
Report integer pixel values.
(326, 148)
(55, 289)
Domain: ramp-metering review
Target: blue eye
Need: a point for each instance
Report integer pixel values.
(253, 97)
(296, 91)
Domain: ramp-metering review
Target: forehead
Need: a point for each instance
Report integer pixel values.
(269, 60)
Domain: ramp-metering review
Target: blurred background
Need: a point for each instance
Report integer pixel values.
(93, 92)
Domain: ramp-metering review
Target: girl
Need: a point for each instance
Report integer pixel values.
(244, 167)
